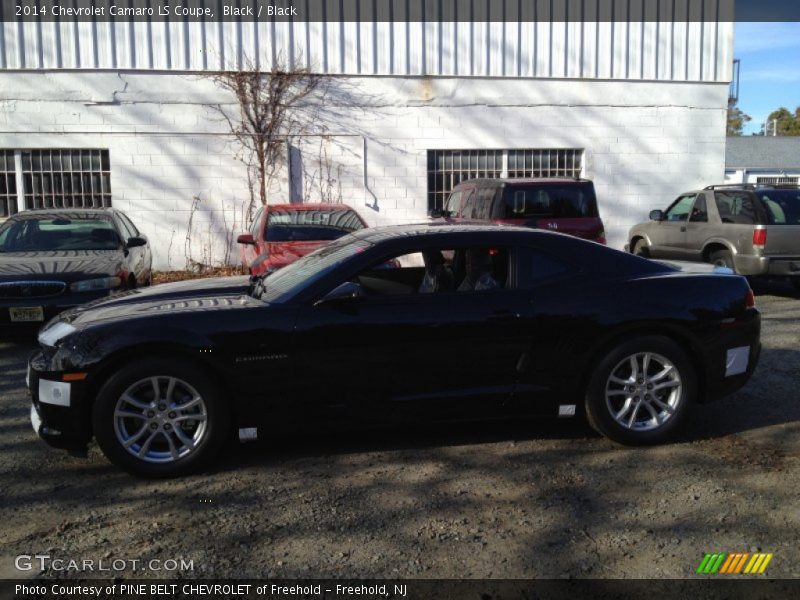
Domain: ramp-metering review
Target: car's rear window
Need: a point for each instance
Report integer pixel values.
(548, 200)
(310, 225)
(58, 234)
(783, 206)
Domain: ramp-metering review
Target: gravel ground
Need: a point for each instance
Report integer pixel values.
(523, 500)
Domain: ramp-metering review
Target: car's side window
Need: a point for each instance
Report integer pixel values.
(125, 230)
(735, 207)
(129, 224)
(438, 270)
(680, 209)
(699, 210)
(537, 266)
(485, 203)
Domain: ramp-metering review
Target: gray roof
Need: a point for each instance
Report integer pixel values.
(762, 152)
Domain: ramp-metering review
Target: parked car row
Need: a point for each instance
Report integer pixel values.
(479, 314)
(53, 260)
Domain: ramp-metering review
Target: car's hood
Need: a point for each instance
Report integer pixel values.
(73, 265)
(196, 295)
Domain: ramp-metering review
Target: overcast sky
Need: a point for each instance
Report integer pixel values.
(770, 69)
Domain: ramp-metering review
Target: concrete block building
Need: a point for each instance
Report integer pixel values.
(121, 112)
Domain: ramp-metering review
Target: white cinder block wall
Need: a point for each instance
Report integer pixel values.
(645, 142)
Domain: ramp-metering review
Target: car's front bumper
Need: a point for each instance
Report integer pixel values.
(59, 410)
(51, 306)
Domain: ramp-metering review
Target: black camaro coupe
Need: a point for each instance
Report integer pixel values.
(55, 259)
(421, 322)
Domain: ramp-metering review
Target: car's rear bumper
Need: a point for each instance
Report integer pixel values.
(732, 357)
(774, 266)
(59, 411)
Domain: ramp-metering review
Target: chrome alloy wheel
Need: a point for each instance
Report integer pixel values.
(643, 391)
(160, 419)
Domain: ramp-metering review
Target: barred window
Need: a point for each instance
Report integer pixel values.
(564, 162)
(447, 168)
(8, 184)
(776, 180)
(61, 178)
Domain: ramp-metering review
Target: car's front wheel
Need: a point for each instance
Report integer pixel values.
(641, 391)
(160, 418)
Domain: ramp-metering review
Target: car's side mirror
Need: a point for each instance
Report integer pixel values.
(342, 293)
(246, 239)
(136, 242)
(656, 215)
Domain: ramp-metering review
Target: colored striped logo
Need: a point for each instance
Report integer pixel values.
(734, 564)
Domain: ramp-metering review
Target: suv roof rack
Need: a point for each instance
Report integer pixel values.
(740, 186)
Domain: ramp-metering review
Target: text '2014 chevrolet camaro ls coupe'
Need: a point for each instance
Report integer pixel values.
(403, 323)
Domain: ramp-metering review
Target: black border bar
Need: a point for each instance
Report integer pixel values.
(400, 10)
(710, 587)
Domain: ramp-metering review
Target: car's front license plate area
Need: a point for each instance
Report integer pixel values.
(26, 314)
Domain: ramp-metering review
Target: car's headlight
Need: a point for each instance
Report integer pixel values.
(52, 335)
(101, 283)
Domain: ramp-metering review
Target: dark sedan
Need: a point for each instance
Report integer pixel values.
(51, 260)
(475, 322)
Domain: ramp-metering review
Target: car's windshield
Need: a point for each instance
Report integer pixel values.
(285, 283)
(310, 225)
(58, 234)
(783, 206)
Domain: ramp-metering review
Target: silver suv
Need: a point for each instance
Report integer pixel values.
(754, 230)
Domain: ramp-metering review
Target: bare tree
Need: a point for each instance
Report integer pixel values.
(273, 106)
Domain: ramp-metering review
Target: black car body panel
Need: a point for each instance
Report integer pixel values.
(42, 278)
(295, 361)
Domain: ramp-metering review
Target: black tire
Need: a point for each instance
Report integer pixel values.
(640, 249)
(722, 258)
(217, 418)
(599, 412)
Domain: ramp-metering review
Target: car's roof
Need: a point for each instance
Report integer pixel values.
(522, 181)
(435, 228)
(318, 206)
(68, 213)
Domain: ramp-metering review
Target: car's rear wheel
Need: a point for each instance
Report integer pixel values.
(721, 258)
(640, 249)
(160, 418)
(641, 391)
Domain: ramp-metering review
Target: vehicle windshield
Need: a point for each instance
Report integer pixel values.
(287, 282)
(783, 206)
(53, 234)
(310, 225)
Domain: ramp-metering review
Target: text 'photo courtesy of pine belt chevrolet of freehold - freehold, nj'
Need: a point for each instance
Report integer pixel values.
(412, 299)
